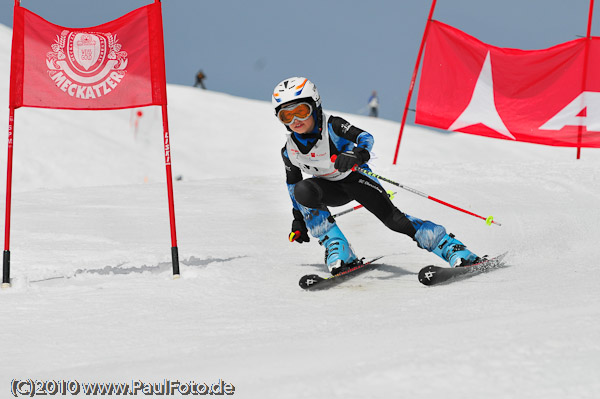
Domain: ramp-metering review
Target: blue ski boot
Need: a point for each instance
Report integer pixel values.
(455, 252)
(338, 252)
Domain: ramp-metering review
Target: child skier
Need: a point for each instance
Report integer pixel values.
(313, 138)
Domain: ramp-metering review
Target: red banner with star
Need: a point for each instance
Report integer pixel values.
(119, 64)
(549, 96)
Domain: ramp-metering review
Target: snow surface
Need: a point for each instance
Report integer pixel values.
(93, 299)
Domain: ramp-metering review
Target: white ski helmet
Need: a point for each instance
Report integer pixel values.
(297, 89)
(293, 89)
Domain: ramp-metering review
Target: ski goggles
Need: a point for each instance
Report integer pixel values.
(300, 111)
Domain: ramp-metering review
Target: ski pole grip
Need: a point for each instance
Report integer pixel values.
(334, 157)
(294, 235)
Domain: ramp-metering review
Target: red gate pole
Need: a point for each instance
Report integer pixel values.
(588, 37)
(414, 78)
(167, 148)
(9, 162)
(167, 144)
(9, 173)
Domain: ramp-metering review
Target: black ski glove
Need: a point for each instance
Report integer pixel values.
(349, 159)
(299, 231)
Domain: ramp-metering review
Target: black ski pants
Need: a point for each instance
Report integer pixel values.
(320, 193)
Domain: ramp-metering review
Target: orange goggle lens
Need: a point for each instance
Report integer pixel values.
(300, 111)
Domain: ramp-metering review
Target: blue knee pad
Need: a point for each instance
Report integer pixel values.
(317, 220)
(428, 234)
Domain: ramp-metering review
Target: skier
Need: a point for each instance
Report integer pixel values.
(373, 104)
(313, 137)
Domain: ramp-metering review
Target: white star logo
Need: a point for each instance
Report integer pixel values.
(482, 107)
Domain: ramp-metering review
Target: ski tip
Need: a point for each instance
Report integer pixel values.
(306, 282)
(427, 275)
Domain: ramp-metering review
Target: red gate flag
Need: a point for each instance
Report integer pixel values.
(119, 64)
(540, 96)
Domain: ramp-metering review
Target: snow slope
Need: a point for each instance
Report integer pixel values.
(93, 300)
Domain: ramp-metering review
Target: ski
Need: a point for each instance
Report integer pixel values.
(314, 282)
(431, 275)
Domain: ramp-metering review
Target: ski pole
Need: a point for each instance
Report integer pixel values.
(390, 194)
(489, 220)
(347, 211)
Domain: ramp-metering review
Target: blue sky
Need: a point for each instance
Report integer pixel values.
(346, 47)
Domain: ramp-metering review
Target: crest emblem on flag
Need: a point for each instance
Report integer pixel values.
(86, 65)
(85, 49)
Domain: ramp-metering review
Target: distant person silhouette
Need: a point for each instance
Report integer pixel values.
(373, 105)
(200, 76)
